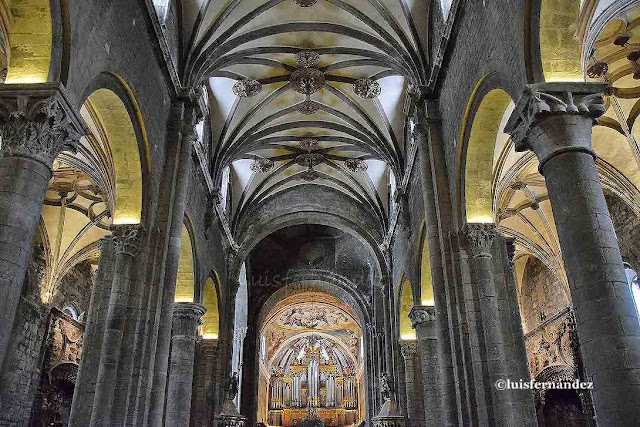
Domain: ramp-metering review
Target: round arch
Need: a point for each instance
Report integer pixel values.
(210, 299)
(112, 104)
(555, 45)
(405, 304)
(186, 280)
(252, 236)
(478, 135)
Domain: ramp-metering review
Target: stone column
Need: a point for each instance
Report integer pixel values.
(127, 240)
(413, 382)
(186, 319)
(490, 365)
(37, 122)
(554, 120)
(176, 222)
(423, 320)
(84, 390)
(426, 131)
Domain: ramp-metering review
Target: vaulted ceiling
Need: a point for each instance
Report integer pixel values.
(306, 92)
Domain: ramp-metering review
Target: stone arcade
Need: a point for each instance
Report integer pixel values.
(305, 213)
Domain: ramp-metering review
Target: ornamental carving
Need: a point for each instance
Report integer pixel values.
(367, 88)
(65, 342)
(310, 159)
(541, 99)
(550, 344)
(127, 239)
(247, 88)
(262, 165)
(307, 58)
(38, 126)
(408, 348)
(307, 81)
(421, 314)
(189, 311)
(313, 316)
(355, 165)
(480, 237)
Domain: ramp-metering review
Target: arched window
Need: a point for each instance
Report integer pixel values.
(634, 284)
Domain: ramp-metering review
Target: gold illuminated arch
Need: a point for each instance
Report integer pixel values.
(559, 45)
(30, 41)
(120, 134)
(185, 283)
(478, 169)
(405, 306)
(211, 320)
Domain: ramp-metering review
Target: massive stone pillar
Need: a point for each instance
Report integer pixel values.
(413, 383)
(554, 120)
(83, 392)
(423, 320)
(37, 122)
(427, 135)
(186, 319)
(175, 223)
(489, 365)
(127, 241)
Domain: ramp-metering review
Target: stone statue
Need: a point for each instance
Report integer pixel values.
(385, 386)
(233, 386)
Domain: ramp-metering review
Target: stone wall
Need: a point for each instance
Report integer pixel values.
(20, 374)
(207, 367)
(627, 226)
(542, 295)
(75, 288)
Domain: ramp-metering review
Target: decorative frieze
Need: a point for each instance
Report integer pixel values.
(127, 238)
(420, 314)
(38, 122)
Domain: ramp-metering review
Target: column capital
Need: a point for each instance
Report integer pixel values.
(38, 121)
(127, 238)
(408, 348)
(578, 103)
(189, 311)
(420, 314)
(479, 237)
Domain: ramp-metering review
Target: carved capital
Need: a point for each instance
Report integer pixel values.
(190, 311)
(479, 237)
(127, 239)
(420, 314)
(408, 348)
(543, 100)
(38, 122)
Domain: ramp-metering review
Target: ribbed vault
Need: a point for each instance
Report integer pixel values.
(304, 91)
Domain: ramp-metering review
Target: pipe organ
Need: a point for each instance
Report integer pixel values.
(321, 385)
